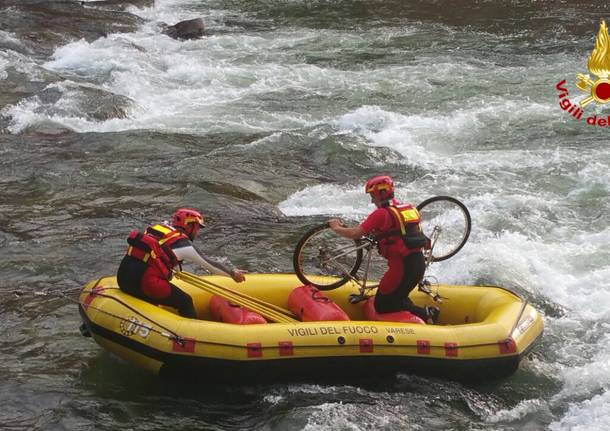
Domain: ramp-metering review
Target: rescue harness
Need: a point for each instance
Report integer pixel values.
(153, 247)
(409, 228)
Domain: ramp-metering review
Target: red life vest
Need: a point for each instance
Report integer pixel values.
(405, 235)
(153, 247)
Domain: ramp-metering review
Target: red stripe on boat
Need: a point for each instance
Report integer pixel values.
(507, 346)
(366, 345)
(451, 349)
(255, 350)
(423, 347)
(91, 296)
(286, 348)
(184, 345)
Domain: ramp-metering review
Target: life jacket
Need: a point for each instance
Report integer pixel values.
(153, 247)
(406, 236)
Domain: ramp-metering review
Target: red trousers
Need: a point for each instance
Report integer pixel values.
(393, 276)
(158, 290)
(154, 285)
(400, 279)
(147, 282)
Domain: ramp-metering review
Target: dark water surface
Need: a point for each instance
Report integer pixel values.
(269, 124)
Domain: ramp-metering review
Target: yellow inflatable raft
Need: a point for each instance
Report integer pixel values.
(483, 332)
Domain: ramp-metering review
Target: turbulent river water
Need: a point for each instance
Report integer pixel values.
(270, 124)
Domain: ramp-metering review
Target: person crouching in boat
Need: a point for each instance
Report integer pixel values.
(398, 232)
(146, 269)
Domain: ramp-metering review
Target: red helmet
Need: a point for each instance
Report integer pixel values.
(183, 217)
(380, 187)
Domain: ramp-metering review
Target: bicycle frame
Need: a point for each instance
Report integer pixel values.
(368, 245)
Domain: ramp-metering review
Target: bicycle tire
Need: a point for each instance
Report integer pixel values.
(323, 281)
(456, 208)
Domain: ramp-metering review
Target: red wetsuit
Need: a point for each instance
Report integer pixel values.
(406, 266)
(146, 269)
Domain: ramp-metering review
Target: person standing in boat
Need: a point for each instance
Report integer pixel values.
(146, 269)
(397, 228)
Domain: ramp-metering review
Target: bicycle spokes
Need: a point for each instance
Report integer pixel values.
(446, 221)
(325, 259)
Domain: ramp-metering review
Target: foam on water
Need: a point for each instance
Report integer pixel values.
(349, 417)
(438, 140)
(588, 415)
(4, 62)
(216, 84)
(23, 114)
(522, 409)
(172, 11)
(595, 175)
(366, 409)
(180, 86)
(9, 38)
(327, 199)
(14, 54)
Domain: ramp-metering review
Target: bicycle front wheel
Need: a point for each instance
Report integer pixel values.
(446, 221)
(326, 260)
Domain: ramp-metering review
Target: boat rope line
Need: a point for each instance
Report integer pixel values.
(55, 291)
(66, 295)
(171, 335)
(523, 305)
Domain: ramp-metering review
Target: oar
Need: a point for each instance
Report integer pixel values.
(270, 311)
(277, 308)
(266, 312)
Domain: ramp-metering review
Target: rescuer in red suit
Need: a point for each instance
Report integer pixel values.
(397, 228)
(146, 269)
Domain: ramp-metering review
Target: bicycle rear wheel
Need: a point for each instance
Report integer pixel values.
(446, 221)
(326, 260)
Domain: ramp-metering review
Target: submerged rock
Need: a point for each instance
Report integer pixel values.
(47, 128)
(43, 26)
(71, 100)
(100, 105)
(117, 4)
(189, 29)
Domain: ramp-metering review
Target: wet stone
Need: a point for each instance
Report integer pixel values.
(43, 26)
(189, 29)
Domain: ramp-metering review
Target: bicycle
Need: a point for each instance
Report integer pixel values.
(327, 261)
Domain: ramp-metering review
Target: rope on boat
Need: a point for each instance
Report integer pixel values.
(170, 334)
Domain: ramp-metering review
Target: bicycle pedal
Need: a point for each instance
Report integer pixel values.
(355, 298)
